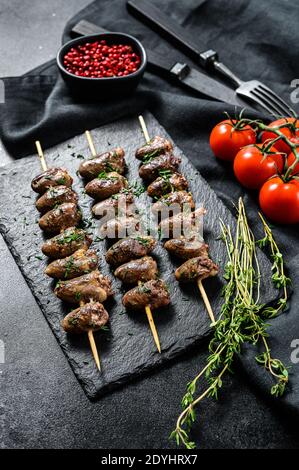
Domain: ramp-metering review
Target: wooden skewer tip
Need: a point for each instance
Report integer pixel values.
(90, 143)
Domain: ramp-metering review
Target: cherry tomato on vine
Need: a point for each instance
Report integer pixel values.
(291, 160)
(289, 133)
(227, 139)
(252, 167)
(279, 200)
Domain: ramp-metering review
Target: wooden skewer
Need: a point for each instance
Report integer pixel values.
(90, 143)
(199, 282)
(90, 332)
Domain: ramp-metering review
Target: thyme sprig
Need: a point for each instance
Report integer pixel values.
(242, 320)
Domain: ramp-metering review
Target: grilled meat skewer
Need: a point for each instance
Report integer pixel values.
(66, 243)
(54, 196)
(196, 268)
(105, 185)
(91, 316)
(81, 262)
(151, 170)
(64, 216)
(156, 146)
(186, 248)
(142, 269)
(108, 161)
(166, 183)
(50, 178)
(152, 293)
(129, 248)
(91, 286)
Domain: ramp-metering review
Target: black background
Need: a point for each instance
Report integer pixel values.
(44, 404)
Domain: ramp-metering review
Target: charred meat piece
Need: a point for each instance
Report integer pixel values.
(92, 286)
(166, 183)
(91, 316)
(105, 185)
(153, 148)
(108, 161)
(186, 248)
(81, 262)
(173, 203)
(54, 196)
(182, 224)
(120, 227)
(153, 293)
(151, 170)
(196, 268)
(129, 248)
(50, 178)
(116, 205)
(66, 243)
(64, 216)
(142, 269)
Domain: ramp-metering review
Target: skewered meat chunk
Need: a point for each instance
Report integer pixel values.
(154, 147)
(50, 178)
(91, 316)
(186, 248)
(153, 293)
(172, 201)
(66, 243)
(108, 161)
(64, 216)
(120, 227)
(55, 195)
(105, 185)
(113, 206)
(81, 262)
(186, 224)
(129, 248)
(93, 286)
(142, 269)
(166, 183)
(151, 170)
(200, 267)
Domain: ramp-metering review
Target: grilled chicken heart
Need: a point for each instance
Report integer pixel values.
(153, 293)
(142, 269)
(154, 147)
(196, 268)
(186, 248)
(66, 243)
(108, 161)
(54, 196)
(129, 248)
(93, 286)
(167, 183)
(151, 170)
(113, 206)
(50, 178)
(105, 185)
(64, 216)
(81, 262)
(91, 316)
(173, 203)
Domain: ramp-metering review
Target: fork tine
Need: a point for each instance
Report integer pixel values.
(275, 109)
(254, 97)
(283, 104)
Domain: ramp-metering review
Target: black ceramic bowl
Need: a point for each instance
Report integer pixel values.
(102, 88)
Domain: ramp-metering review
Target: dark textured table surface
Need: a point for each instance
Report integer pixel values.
(42, 405)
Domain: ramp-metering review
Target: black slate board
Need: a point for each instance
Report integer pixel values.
(127, 350)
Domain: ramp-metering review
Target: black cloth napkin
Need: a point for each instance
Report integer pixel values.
(258, 39)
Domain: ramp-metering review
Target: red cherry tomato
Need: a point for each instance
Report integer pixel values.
(291, 160)
(289, 133)
(280, 201)
(226, 141)
(252, 167)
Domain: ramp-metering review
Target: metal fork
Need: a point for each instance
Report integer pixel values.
(257, 92)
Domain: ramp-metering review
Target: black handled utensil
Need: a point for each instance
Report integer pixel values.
(208, 58)
(170, 69)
